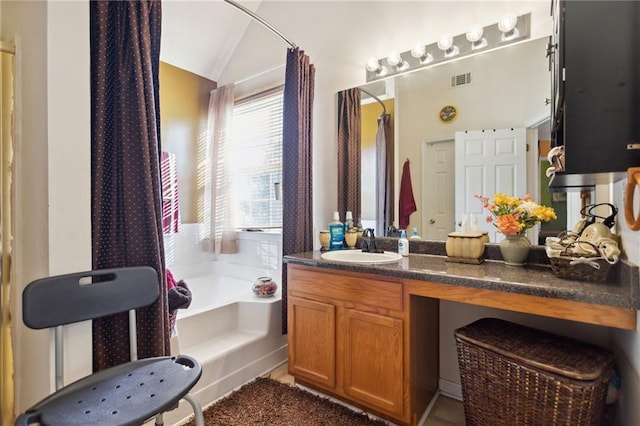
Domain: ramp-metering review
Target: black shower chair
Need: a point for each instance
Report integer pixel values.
(127, 394)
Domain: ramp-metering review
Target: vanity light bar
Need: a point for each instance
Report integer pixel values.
(491, 38)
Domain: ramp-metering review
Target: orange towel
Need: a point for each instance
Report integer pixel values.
(407, 204)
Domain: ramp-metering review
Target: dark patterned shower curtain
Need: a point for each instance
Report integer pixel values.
(297, 141)
(126, 204)
(349, 153)
(384, 179)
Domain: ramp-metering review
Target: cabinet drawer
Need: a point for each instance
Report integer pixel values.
(345, 286)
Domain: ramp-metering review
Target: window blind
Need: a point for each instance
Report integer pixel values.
(256, 165)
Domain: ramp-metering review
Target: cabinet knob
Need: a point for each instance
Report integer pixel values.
(432, 221)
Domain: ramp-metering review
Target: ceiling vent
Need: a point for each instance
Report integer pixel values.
(461, 80)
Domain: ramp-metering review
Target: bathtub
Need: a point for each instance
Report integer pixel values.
(235, 335)
(213, 286)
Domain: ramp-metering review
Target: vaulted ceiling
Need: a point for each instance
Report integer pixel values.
(201, 35)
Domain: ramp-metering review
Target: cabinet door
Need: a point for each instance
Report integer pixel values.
(312, 336)
(373, 372)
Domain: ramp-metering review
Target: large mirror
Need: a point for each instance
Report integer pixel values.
(505, 88)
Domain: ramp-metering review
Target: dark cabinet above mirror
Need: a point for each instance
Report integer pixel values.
(594, 60)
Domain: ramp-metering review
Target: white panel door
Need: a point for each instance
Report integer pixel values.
(438, 175)
(488, 162)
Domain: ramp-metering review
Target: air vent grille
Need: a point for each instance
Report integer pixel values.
(461, 80)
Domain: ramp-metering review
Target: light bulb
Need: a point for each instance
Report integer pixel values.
(508, 22)
(445, 42)
(394, 59)
(418, 51)
(475, 33)
(373, 65)
(508, 27)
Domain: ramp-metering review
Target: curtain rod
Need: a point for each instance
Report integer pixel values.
(262, 21)
(384, 108)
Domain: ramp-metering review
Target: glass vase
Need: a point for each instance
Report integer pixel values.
(515, 249)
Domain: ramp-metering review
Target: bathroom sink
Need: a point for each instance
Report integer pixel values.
(358, 256)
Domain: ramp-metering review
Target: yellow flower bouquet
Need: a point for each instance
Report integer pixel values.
(512, 215)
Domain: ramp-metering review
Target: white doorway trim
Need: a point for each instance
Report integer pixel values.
(425, 149)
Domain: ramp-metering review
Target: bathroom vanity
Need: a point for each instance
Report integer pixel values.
(349, 335)
(368, 333)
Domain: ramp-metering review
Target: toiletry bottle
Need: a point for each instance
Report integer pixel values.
(403, 244)
(348, 221)
(336, 230)
(414, 234)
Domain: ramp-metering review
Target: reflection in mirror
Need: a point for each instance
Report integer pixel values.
(501, 89)
(384, 169)
(377, 158)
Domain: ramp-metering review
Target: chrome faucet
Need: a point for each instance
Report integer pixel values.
(369, 242)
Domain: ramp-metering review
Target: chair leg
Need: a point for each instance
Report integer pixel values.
(159, 420)
(197, 409)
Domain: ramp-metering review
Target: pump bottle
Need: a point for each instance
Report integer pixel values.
(414, 234)
(403, 244)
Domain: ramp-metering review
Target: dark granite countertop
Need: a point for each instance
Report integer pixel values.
(622, 289)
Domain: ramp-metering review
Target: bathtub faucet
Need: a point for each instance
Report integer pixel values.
(369, 242)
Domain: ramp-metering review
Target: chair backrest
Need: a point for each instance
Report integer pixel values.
(65, 299)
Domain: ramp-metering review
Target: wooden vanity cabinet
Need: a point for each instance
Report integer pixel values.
(348, 337)
(312, 340)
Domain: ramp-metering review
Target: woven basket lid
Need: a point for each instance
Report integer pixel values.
(545, 351)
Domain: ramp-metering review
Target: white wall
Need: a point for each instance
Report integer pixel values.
(626, 344)
(52, 180)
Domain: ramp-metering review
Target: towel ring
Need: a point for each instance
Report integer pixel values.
(633, 180)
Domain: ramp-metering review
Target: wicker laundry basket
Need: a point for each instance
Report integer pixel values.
(516, 375)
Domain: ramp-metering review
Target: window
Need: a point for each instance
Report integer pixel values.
(256, 161)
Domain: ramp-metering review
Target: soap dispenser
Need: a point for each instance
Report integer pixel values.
(414, 234)
(403, 244)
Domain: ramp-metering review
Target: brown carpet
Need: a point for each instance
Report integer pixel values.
(266, 401)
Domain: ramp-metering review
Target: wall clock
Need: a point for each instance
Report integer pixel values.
(448, 113)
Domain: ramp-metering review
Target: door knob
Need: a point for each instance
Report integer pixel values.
(432, 221)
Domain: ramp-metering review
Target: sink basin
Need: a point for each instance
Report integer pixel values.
(358, 256)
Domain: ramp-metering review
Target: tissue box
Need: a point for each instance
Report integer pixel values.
(466, 247)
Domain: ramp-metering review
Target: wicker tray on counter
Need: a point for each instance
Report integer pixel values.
(592, 267)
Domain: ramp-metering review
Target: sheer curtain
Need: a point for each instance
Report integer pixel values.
(297, 144)
(349, 153)
(126, 203)
(217, 201)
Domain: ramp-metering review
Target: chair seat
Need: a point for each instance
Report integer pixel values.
(127, 394)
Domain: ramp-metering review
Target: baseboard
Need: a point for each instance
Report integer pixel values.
(450, 389)
(427, 411)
